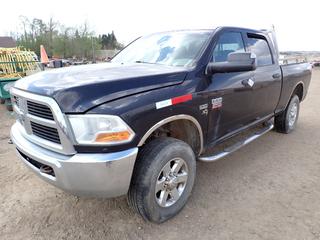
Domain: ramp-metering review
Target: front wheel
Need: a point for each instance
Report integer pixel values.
(163, 179)
(287, 120)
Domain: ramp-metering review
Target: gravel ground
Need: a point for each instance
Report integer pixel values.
(267, 190)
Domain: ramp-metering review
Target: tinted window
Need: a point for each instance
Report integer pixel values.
(228, 42)
(261, 48)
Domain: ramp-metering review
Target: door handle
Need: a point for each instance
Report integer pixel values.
(276, 75)
(248, 82)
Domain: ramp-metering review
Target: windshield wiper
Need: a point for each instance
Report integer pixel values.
(139, 61)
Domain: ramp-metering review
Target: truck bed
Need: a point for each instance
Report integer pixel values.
(292, 76)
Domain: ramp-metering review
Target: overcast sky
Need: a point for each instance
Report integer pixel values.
(297, 23)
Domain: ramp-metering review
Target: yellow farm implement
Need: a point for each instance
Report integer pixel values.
(15, 64)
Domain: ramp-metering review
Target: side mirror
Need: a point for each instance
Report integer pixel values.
(237, 62)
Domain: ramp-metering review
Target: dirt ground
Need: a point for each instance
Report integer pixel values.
(267, 190)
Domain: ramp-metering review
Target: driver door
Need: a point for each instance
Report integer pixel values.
(230, 99)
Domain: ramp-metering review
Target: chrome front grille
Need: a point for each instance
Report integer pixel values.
(39, 110)
(42, 122)
(48, 133)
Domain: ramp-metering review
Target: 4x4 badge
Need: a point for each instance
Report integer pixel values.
(204, 109)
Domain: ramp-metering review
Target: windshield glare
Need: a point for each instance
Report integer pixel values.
(172, 49)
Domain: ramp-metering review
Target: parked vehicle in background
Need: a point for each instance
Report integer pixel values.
(316, 63)
(138, 124)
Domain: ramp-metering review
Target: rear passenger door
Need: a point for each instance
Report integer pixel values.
(267, 76)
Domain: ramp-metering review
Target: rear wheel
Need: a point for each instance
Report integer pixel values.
(2, 100)
(163, 179)
(287, 120)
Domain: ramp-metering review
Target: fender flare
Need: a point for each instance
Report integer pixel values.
(171, 119)
(293, 89)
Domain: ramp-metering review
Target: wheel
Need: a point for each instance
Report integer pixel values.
(287, 120)
(8, 105)
(162, 180)
(2, 100)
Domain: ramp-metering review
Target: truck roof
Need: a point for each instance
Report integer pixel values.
(261, 31)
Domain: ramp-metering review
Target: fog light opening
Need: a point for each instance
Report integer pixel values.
(47, 170)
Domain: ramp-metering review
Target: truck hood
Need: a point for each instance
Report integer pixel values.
(79, 88)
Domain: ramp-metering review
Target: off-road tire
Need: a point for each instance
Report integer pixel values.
(151, 160)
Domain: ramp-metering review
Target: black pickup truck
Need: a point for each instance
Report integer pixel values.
(138, 124)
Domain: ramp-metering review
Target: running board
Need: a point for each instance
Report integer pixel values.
(236, 146)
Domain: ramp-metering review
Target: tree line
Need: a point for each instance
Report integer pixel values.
(62, 41)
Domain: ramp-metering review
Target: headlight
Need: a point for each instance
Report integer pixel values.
(100, 129)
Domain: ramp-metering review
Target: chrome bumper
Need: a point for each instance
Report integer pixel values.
(94, 174)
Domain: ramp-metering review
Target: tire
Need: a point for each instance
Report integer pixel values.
(158, 158)
(286, 122)
(2, 100)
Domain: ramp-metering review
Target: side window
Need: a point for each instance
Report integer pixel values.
(228, 42)
(260, 47)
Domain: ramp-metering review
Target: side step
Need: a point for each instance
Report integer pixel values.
(237, 146)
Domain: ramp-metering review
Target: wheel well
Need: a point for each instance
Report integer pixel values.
(182, 129)
(298, 91)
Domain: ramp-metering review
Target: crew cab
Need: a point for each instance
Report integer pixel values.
(138, 124)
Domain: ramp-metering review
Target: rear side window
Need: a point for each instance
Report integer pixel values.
(259, 46)
(228, 42)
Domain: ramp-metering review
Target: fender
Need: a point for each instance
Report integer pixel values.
(170, 119)
(277, 111)
(293, 89)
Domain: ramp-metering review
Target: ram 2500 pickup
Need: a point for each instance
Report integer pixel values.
(138, 124)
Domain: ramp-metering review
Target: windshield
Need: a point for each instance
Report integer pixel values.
(171, 48)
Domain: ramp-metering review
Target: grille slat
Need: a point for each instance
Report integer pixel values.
(47, 114)
(37, 105)
(45, 129)
(41, 114)
(46, 136)
(39, 110)
(41, 135)
(48, 133)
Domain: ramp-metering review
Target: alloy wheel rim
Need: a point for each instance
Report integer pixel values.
(171, 182)
(293, 114)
